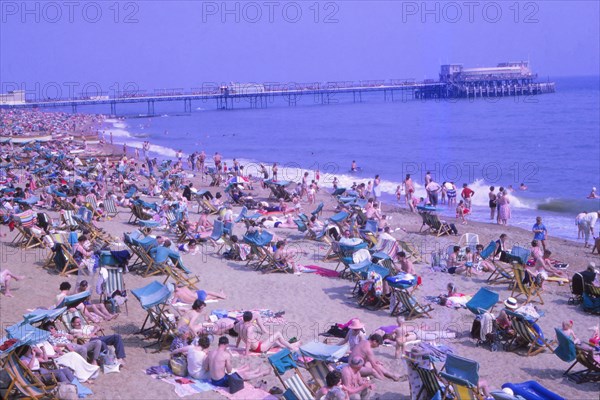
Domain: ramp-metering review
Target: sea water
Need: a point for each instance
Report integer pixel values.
(551, 143)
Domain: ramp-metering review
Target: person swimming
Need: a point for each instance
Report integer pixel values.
(593, 194)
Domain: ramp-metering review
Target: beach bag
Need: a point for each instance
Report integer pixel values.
(337, 332)
(236, 383)
(476, 328)
(67, 391)
(178, 366)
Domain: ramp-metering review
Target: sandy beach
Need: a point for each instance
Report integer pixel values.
(312, 303)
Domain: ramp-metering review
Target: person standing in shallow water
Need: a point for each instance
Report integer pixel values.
(540, 232)
(492, 202)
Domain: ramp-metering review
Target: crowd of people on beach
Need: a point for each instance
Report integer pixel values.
(42, 184)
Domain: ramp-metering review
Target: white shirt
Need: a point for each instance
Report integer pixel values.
(195, 359)
(591, 218)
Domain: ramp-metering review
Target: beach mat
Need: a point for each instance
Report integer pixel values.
(323, 271)
(248, 392)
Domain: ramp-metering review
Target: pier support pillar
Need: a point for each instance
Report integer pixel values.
(187, 105)
(150, 107)
(113, 108)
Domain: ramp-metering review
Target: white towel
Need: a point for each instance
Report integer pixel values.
(82, 369)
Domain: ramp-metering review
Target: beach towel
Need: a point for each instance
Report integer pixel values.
(81, 368)
(322, 271)
(248, 392)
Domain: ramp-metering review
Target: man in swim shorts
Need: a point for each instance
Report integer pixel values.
(218, 363)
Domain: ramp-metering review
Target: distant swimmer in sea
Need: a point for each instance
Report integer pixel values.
(353, 168)
(523, 187)
(593, 194)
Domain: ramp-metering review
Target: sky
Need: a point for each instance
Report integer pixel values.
(106, 46)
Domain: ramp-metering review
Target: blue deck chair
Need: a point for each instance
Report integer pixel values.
(74, 300)
(217, 235)
(283, 362)
(301, 225)
(43, 315)
(228, 228)
(26, 333)
(462, 375)
(318, 210)
(153, 299)
(131, 192)
(499, 275)
(521, 253)
(483, 301)
(242, 214)
(566, 349)
(338, 192)
(339, 217)
(321, 354)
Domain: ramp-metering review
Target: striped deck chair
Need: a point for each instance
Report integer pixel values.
(113, 283)
(31, 236)
(525, 285)
(92, 203)
(591, 371)
(283, 362)
(412, 306)
(25, 381)
(68, 219)
(410, 251)
(388, 247)
(431, 383)
(110, 208)
(528, 332)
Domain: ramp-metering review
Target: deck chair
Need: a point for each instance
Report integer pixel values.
(339, 218)
(410, 250)
(356, 264)
(68, 219)
(462, 376)
(525, 285)
(26, 382)
(338, 192)
(73, 300)
(500, 274)
(438, 227)
(110, 208)
(92, 204)
(216, 236)
(431, 386)
(283, 362)
(468, 240)
(114, 284)
(67, 316)
(591, 371)
(566, 349)
(321, 356)
(317, 211)
(483, 301)
(153, 299)
(528, 332)
(63, 259)
(577, 286)
(412, 306)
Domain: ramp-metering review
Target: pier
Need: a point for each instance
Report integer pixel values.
(455, 82)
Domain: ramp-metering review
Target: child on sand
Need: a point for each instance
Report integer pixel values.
(567, 329)
(5, 277)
